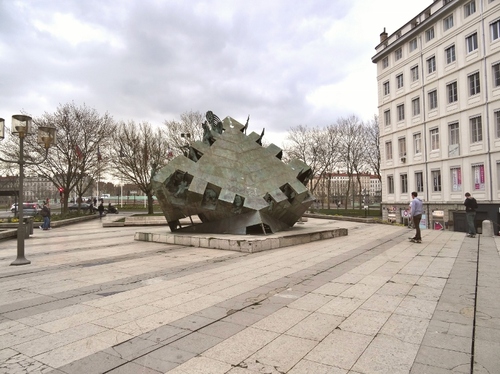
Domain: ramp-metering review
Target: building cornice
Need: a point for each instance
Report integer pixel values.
(423, 21)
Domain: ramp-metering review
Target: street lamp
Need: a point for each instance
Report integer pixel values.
(21, 125)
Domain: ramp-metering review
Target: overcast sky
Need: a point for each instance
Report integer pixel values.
(286, 63)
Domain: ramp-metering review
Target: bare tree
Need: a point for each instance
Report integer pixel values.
(352, 147)
(332, 159)
(306, 144)
(7, 168)
(317, 147)
(179, 133)
(138, 152)
(347, 145)
(81, 131)
(372, 153)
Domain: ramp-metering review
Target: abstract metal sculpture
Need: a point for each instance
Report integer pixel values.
(232, 183)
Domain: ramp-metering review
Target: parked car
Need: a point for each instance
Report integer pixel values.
(83, 206)
(29, 209)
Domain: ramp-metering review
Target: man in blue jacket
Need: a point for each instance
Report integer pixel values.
(416, 210)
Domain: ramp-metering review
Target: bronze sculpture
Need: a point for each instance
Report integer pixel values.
(232, 183)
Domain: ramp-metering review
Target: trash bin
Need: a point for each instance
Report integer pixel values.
(28, 226)
(438, 219)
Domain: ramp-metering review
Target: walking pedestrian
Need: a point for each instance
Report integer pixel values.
(100, 208)
(470, 214)
(416, 210)
(45, 213)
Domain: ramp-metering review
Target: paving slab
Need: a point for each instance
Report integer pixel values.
(369, 302)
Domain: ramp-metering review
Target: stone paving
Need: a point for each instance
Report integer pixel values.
(96, 301)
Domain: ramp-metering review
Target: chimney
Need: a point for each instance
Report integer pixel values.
(383, 36)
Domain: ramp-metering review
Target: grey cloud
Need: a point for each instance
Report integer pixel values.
(233, 57)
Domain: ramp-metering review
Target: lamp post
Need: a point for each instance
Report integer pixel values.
(21, 125)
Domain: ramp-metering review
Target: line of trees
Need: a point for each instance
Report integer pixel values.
(349, 145)
(90, 146)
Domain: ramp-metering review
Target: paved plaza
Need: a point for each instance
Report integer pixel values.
(94, 300)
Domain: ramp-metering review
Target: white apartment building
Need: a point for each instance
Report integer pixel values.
(439, 105)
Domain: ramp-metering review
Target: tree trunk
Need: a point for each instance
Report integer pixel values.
(150, 204)
(328, 191)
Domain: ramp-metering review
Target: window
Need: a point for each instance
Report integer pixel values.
(448, 22)
(454, 133)
(429, 34)
(398, 53)
(402, 147)
(385, 62)
(431, 65)
(401, 112)
(413, 44)
(496, 118)
(496, 75)
(415, 106)
(471, 42)
(474, 87)
(399, 80)
(478, 176)
(404, 183)
(433, 99)
(390, 184)
(387, 117)
(456, 179)
(386, 88)
(450, 54)
(434, 139)
(452, 92)
(495, 30)
(414, 73)
(388, 150)
(419, 181)
(417, 143)
(470, 8)
(476, 129)
(436, 180)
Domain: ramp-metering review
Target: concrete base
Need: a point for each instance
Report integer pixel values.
(248, 243)
(145, 221)
(8, 233)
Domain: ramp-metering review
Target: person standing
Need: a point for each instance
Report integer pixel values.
(45, 213)
(100, 208)
(470, 214)
(416, 210)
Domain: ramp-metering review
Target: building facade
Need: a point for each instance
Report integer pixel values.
(36, 188)
(439, 107)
